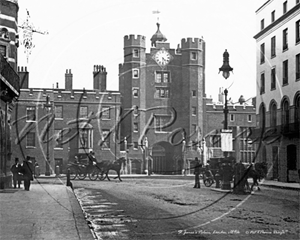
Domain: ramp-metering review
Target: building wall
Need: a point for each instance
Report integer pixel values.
(9, 30)
(241, 118)
(67, 127)
(185, 75)
(282, 133)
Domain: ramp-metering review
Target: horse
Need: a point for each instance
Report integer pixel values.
(256, 171)
(105, 166)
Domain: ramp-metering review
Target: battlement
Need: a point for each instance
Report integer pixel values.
(212, 107)
(135, 40)
(195, 43)
(62, 95)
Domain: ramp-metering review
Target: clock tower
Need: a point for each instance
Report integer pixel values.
(164, 91)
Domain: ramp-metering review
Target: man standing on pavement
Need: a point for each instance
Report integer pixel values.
(197, 173)
(27, 170)
(15, 169)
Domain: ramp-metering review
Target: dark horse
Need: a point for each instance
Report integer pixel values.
(116, 165)
(256, 171)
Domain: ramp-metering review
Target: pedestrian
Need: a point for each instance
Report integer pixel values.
(27, 170)
(92, 158)
(197, 173)
(16, 169)
(36, 170)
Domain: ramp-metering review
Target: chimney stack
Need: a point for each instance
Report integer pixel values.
(68, 80)
(24, 77)
(100, 78)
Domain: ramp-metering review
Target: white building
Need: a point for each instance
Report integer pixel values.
(278, 87)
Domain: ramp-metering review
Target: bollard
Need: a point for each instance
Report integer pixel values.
(57, 171)
(68, 178)
(217, 178)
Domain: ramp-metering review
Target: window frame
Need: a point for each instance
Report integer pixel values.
(135, 73)
(249, 118)
(297, 67)
(273, 47)
(160, 122)
(273, 78)
(161, 76)
(262, 83)
(61, 114)
(194, 55)
(57, 133)
(135, 127)
(194, 93)
(136, 53)
(105, 110)
(262, 24)
(262, 53)
(284, 7)
(162, 93)
(273, 16)
(232, 117)
(285, 72)
(105, 139)
(81, 111)
(28, 109)
(273, 115)
(285, 45)
(33, 136)
(297, 31)
(194, 111)
(135, 92)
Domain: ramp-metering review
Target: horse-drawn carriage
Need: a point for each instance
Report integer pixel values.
(226, 170)
(83, 167)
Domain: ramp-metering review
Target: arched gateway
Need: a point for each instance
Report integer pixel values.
(164, 158)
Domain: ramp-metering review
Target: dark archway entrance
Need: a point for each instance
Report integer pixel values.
(291, 158)
(163, 162)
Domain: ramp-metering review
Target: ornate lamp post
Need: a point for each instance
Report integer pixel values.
(226, 69)
(226, 167)
(48, 108)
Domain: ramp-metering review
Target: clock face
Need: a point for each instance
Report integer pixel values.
(162, 57)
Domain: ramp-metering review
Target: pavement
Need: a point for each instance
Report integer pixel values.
(50, 210)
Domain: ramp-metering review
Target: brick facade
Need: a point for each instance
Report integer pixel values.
(79, 121)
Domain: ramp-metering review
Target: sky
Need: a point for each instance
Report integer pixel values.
(84, 33)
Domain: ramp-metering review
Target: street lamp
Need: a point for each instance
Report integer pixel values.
(48, 107)
(226, 69)
(226, 168)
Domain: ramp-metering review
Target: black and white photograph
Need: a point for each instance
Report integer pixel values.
(150, 119)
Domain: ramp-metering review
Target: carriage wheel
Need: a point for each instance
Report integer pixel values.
(208, 182)
(101, 176)
(81, 175)
(93, 175)
(73, 173)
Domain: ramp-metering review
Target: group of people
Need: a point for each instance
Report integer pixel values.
(22, 172)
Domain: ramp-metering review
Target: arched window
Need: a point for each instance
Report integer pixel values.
(285, 113)
(262, 116)
(273, 114)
